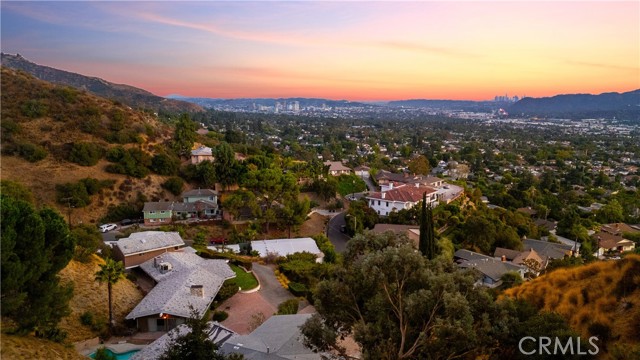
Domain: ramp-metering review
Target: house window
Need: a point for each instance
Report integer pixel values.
(152, 220)
(160, 323)
(161, 211)
(152, 212)
(387, 204)
(378, 202)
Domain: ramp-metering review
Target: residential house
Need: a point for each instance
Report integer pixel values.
(384, 177)
(529, 258)
(490, 270)
(362, 171)
(401, 197)
(548, 251)
(197, 203)
(142, 246)
(337, 168)
(278, 338)
(608, 243)
(185, 283)
(203, 153)
(620, 229)
(283, 247)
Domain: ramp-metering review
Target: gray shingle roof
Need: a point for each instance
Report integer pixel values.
(199, 192)
(157, 206)
(148, 241)
(547, 250)
(172, 295)
(277, 338)
(490, 267)
(216, 333)
(202, 151)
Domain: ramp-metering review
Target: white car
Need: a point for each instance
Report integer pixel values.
(107, 227)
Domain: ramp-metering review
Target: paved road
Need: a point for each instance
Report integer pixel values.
(337, 237)
(270, 288)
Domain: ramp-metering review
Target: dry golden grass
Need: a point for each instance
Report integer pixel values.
(30, 348)
(89, 295)
(591, 294)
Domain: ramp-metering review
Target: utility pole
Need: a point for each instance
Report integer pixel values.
(68, 200)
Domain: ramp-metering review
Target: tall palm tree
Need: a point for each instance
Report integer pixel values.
(110, 272)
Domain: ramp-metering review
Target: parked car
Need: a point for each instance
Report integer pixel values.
(107, 227)
(217, 240)
(126, 222)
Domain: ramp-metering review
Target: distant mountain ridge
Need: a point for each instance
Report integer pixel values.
(621, 105)
(132, 96)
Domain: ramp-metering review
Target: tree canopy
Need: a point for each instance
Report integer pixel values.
(36, 245)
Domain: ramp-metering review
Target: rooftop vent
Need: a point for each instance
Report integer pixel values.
(165, 267)
(197, 290)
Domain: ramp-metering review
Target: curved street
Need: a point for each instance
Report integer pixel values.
(337, 237)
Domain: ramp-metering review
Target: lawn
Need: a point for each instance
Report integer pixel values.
(244, 279)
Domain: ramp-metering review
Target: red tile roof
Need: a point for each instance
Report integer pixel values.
(405, 193)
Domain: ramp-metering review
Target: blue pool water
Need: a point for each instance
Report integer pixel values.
(123, 356)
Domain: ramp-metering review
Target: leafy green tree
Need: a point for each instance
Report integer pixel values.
(194, 343)
(225, 164)
(419, 165)
(184, 136)
(610, 213)
(110, 272)
(165, 164)
(399, 305)
(35, 247)
(238, 200)
(87, 239)
(103, 354)
(271, 187)
(174, 185)
(294, 213)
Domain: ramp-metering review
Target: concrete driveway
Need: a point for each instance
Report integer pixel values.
(270, 287)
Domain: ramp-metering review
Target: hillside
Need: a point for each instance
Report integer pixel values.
(602, 298)
(41, 124)
(91, 296)
(132, 96)
(14, 347)
(624, 106)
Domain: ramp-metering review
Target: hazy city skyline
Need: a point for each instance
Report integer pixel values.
(336, 50)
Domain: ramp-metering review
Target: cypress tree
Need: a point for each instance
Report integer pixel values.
(427, 244)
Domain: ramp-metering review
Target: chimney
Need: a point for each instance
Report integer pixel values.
(155, 261)
(197, 290)
(406, 175)
(417, 185)
(382, 194)
(504, 258)
(390, 185)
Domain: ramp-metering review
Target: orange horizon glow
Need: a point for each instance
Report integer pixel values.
(372, 51)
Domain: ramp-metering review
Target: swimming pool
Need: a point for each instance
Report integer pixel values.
(121, 356)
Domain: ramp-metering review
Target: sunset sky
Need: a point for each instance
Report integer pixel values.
(338, 50)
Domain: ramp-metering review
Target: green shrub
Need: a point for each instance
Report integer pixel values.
(164, 164)
(133, 162)
(288, 307)
(122, 211)
(74, 194)
(31, 152)
(85, 154)
(103, 354)
(220, 316)
(174, 185)
(228, 289)
(34, 109)
(86, 318)
(298, 289)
